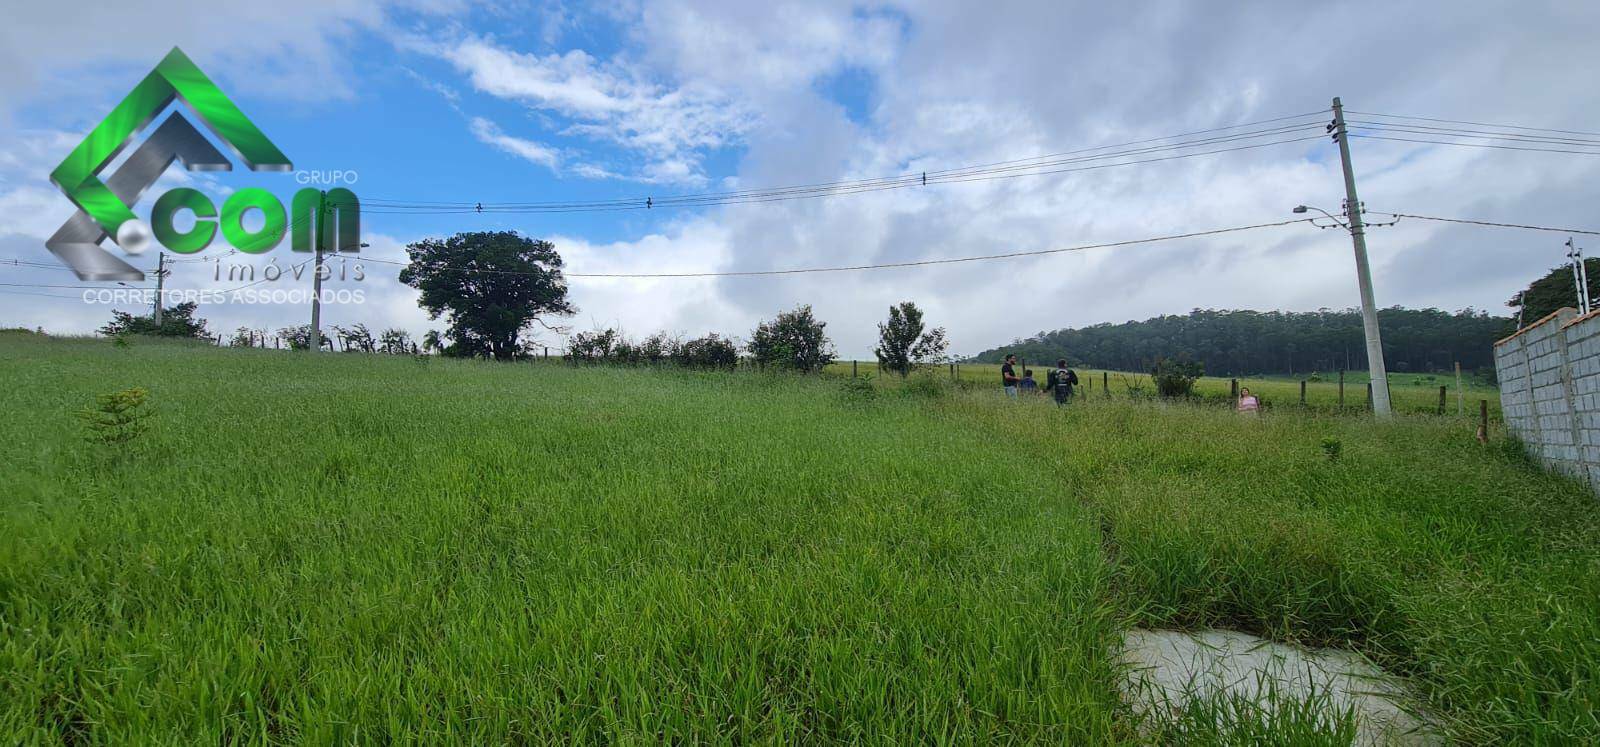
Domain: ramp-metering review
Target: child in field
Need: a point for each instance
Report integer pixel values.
(1028, 385)
(1248, 402)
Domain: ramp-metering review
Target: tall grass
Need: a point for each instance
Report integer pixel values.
(345, 547)
(1416, 394)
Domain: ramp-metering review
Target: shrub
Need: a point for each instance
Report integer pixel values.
(117, 418)
(176, 321)
(1175, 377)
(710, 351)
(611, 346)
(793, 340)
(927, 386)
(1332, 448)
(592, 347)
(395, 341)
(854, 391)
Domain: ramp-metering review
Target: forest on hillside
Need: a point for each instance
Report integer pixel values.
(1238, 343)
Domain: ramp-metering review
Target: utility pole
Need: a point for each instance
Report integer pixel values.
(1358, 236)
(161, 274)
(1580, 276)
(316, 274)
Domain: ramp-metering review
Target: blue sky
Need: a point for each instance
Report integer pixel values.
(451, 100)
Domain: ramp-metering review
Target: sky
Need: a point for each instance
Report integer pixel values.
(506, 102)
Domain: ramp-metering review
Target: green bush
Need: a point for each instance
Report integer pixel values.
(1175, 377)
(117, 418)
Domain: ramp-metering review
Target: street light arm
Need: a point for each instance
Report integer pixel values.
(1304, 208)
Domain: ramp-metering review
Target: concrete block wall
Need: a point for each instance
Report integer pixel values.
(1549, 377)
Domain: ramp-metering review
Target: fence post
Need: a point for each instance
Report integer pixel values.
(547, 352)
(1442, 390)
(1235, 387)
(1302, 392)
(952, 371)
(853, 371)
(1483, 418)
(1105, 383)
(1369, 395)
(1341, 389)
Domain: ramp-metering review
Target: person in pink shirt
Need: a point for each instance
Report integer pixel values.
(1248, 402)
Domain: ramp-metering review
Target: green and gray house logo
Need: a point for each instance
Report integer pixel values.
(105, 207)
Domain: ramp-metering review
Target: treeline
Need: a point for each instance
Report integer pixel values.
(1236, 343)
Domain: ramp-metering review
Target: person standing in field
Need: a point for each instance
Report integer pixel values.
(1248, 402)
(1028, 385)
(1061, 381)
(1008, 375)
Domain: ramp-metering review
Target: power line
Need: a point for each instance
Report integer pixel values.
(889, 265)
(1032, 166)
(1474, 124)
(1479, 134)
(831, 192)
(71, 287)
(1473, 145)
(41, 295)
(1489, 223)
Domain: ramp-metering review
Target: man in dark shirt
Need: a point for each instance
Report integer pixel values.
(1008, 375)
(1061, 381)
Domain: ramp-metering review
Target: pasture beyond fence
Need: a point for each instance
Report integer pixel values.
(1332, 392)
(1549, 377)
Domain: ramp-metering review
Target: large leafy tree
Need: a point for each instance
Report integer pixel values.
(490, 285)
(793, 340)
(176, 321)
(1553, 291)
(904, 342)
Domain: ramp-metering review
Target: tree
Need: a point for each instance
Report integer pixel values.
(431, 342)
(298, 338)
(904, 343)
(176, 321)
(357, 338)
(245, 337)
(395, 341)
(1245, 343)
(490, 286)
(1553, 291)
(793, 340)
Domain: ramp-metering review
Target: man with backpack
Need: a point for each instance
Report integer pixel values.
(1061, 381)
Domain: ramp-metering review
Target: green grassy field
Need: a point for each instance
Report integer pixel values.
(331, 548)
(1411, 393)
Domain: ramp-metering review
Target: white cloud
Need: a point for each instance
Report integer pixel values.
(609, 102)
(486, 132)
